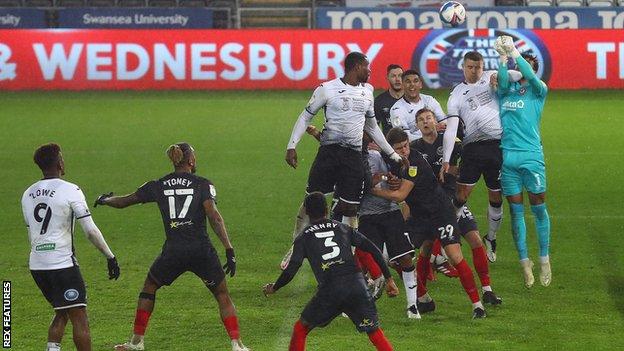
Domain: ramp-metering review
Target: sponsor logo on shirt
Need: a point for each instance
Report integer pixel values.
(45, 247)
(325, 266)
(176, 224)
(513, 105)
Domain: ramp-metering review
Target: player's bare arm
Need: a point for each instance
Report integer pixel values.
(218, 225)
(291, 158)
(395, 195)
(117, 201)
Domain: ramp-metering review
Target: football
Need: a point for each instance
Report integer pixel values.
(452, 13)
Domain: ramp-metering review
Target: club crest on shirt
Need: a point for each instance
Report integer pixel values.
(412, 171)
(71, 294)
(522, 91)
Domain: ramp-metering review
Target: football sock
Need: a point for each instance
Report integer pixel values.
(368, 262)
(379, 340)
(542, 226)
(544, 259)
(301, 222)
(518, 229)
(409, 281)
(422, 268)
(436, 249)
(467, 280)
(494, 216)
(140, 321)
(53, 346)
(298, 339)
(479, 259)
(231, 325)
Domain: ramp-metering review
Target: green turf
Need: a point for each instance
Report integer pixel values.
(116, 141)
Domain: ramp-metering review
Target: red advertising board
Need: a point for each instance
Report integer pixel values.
(286, 59)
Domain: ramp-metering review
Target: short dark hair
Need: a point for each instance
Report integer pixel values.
(392, 66)
(396, 135)
(532, 60)
(473, 56)
(47, 156)
(411, 72)
(423, 110)
(353, 59)
(315, 205)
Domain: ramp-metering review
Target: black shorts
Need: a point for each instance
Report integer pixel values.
(338, 169)
(443, 226)
(347, 294)
(389, 229)
(63, 288)
(481, 157)
(201, 259)
(466, 221)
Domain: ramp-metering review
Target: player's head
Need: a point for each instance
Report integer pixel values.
(393, 74)
(356, 63)
(315, 205)
(472, 66)
(412, 84)
(398, 139)
(532, 60)
(426, 121)
(50, 159)
(182, 155)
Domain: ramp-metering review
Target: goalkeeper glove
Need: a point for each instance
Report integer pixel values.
(230, 265)
(100, 200)
(508, 44)
(113, 269)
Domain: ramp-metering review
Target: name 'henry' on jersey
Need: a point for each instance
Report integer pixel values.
(180, 198)
(346, 107)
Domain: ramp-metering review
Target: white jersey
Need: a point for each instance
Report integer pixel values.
(403, 114)
(476, 104)
(346, 108)
(50, 207)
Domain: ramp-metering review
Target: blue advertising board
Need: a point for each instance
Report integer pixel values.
(11, 18)
(476, 18)
(137, 18)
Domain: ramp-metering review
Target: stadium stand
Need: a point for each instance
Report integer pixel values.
(509, 3)
(570, 3)
(540, 3)
(275, 13)
(600, 3)
(10, 3)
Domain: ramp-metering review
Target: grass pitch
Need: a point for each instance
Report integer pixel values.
(116, 141)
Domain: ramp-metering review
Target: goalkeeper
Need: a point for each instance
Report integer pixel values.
(521, 105)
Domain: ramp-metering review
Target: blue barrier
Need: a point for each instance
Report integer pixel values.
(137, 18)
(11, 18)
(477, 18)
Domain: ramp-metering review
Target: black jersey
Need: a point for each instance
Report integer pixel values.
(427, 197)
(433, 154)
(327, 246)
(180, 198)
(383, 104)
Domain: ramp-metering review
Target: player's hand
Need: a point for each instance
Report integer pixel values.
(230, 265)
(494, 81)
(313, 131)
(378, 178)
(400, 160)
(394, 182)
(508, 45)
(101, 200)
(291, 158)
(441, 126)
(391, 289)
(268, 289)
(113, 268)
(443, 170)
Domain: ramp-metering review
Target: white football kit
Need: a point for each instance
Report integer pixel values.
(403, 114)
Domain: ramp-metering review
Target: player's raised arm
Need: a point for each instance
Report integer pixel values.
(503, 74)
(525, 68)
(317, 101)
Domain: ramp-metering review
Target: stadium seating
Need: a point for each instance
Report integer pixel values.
(275, 13)
(38, 3)
(70, 3)
(510, 3)
(539, 2)
(101, 3)
(162, 3)
(570, 3)
(132, 3)
(600, 3)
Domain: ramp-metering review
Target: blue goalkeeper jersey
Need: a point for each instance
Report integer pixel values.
(521, 108)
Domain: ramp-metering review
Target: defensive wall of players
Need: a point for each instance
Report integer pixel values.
(288, 59)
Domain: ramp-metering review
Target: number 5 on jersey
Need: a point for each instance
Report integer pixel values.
(329, 243)
(171, 196)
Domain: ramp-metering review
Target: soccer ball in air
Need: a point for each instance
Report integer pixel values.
(452, 13)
